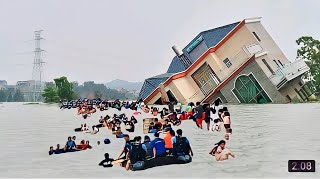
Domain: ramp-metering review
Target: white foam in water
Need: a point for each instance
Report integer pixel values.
(264, 138)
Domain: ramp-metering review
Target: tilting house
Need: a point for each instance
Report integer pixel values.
(238, 63)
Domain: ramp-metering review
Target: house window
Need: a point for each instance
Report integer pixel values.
(227, 62)
(300, 94)
(276, 63)
(300, 84)
(280, 63)
(255, 34)
(288, 97)
(265, 63)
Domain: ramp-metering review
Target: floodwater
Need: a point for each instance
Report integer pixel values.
(264, 138)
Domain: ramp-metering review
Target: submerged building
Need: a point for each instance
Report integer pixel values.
(237, 63)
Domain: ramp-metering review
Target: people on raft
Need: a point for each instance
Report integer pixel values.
(58, 150)
(107, 162)
(181, 145)
(137, 152)
(147, 143)
(126, 147)
(158, 145)
(168, 135)
(70, 144)
(51, 151)
(220, 152)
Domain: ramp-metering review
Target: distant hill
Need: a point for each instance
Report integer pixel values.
(118, 84)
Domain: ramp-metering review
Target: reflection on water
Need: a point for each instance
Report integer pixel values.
(264, 138)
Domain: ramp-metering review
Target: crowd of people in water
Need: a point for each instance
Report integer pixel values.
(173, 144)
(70, 146)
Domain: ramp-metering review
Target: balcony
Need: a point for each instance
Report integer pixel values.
(288, 72)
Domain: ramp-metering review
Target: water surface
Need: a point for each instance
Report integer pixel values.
(264, 138)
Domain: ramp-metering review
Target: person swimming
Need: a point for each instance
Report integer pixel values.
(107, 162)
(220, 152)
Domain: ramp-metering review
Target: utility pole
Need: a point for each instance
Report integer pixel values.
(37, 73)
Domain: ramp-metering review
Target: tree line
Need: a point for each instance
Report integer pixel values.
(61, 88)
(11, 95)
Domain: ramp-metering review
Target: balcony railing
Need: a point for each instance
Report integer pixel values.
(288, 72)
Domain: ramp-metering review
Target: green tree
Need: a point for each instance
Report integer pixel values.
(3, 96)
(65, 88)
(9, 97)
(50, 95)
(18, 96)
(310, 51)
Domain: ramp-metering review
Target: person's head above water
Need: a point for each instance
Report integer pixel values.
(213, 110)
(220, 111)
(87, 142)
(74, 138)
(98, 142)
(156, 134)
(197, 103)
(146, 138)
(106, 155)
(152, 123)
(81, 125)
(51, 148)
(172, 133)
(226, 113)
(225, 108)
(69, 138)
(179, 132)
(156, 120)
(58, 146)
(216, 121)
(137, 139)
(226, 136)
(126, 137)
(221, 143)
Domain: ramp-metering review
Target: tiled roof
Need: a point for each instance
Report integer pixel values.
(213, 36)
(175, 66)
(152, 83)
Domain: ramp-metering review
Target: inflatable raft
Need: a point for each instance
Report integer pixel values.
(154, 162)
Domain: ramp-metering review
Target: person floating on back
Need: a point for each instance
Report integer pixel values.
(220, 152)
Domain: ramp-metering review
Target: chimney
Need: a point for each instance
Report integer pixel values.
(177, 50)
(182, 57)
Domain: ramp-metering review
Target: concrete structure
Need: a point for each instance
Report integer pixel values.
(27, 89)
(238, 63)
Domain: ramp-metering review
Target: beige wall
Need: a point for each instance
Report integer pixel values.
(288, 89)
(154, 99)
(267, 43)
(232, 50)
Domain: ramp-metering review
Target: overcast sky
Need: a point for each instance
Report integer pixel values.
(104, 40)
